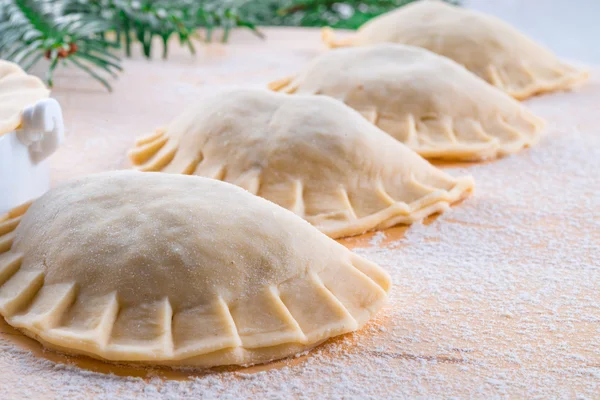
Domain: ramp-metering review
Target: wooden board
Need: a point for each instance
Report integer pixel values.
(520, 319)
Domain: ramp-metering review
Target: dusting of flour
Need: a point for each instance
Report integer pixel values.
(377, 239)
(499, 297)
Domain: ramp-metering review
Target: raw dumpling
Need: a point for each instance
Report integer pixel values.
(428, 102)
(177, 270)
(17, 91)
(486, 45)
(310, 154)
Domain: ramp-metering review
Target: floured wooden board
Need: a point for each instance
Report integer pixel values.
(499, 297)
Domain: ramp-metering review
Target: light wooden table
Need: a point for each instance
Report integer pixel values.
(516, 319)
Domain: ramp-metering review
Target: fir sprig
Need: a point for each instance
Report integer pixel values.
(74, 31)
(31, 30)
(142, 20)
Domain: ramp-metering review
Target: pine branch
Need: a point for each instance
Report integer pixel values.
(147, 19)
(34, 29)
(74, 31)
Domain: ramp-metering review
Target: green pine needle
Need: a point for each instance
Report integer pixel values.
(34, 29)
(74, 31)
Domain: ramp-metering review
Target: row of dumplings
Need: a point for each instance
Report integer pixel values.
(349, 165)
(166, 268)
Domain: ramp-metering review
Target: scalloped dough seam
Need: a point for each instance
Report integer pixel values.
(457, 150)
(401, 213)
(396, 213)
(24, 291)
(568, 79)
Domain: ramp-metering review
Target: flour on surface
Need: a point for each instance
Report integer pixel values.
(377, 239)
(499, 297)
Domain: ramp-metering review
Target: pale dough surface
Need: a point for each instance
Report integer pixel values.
(428, 102)
(178, 270)
(17, 91)
(310, 154)
(486, 45)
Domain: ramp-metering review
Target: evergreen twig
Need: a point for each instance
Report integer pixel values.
(34, 29)
(74, 31)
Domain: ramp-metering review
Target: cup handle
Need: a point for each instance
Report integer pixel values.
(42, 129)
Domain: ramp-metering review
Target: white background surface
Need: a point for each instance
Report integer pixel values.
(571, 28)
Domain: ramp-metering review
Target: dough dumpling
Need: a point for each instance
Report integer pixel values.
(17, 91)
(486, 45)
(310, 154)
(428, 102)
(177, 270)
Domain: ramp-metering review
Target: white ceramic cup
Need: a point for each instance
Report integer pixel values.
(24, 173)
